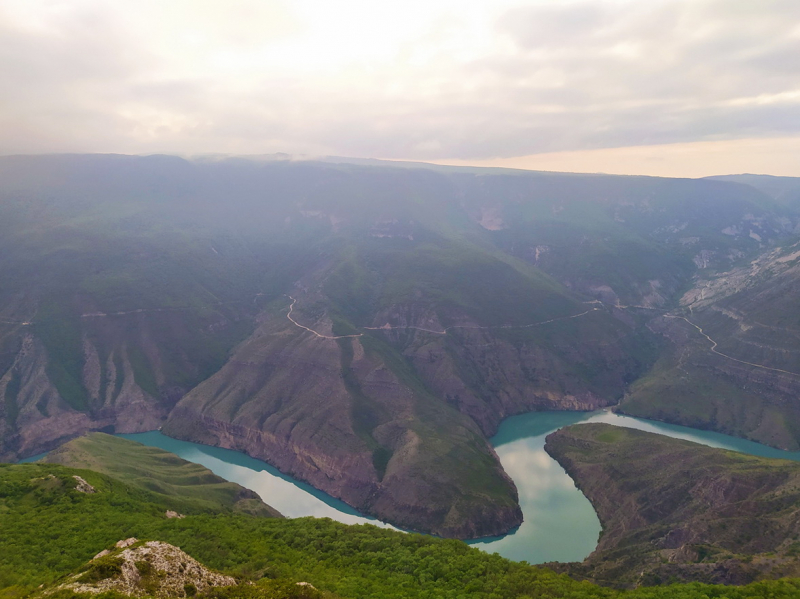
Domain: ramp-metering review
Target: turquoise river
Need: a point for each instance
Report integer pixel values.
(560, 524)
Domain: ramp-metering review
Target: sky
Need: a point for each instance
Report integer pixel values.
(664, 87)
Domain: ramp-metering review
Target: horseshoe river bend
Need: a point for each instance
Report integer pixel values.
(560, 524)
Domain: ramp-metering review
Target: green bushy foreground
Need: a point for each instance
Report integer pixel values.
(48, 529)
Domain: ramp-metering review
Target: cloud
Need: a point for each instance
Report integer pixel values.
(430, 80)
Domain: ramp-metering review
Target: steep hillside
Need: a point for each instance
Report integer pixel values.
(186, 486)
(675, 510)
(733, 359)
(364, 401)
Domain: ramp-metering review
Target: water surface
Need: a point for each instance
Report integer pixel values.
(560, 523)
(292, 498)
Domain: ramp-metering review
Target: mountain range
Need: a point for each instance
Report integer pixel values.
(366, 327)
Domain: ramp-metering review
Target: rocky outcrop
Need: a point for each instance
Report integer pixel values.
(83, 486)
(145, 568)
(675, 510)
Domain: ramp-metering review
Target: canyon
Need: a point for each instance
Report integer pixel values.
(366, 328)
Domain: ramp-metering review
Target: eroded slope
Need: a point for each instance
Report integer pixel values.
(675, 510)
(733, 359)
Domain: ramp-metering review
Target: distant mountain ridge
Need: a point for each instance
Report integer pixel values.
(785, 190)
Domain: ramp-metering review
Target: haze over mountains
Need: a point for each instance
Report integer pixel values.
(365, 327)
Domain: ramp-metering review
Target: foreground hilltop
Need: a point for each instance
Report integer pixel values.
(52, 528)
(675, 510)
(151, 568)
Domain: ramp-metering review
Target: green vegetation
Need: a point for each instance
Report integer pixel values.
(49, 532)
(184, 486)
(751, 315)
(100, 569)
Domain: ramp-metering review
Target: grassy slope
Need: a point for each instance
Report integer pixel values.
(192, 488)
(673, 509)
(50, 529)
(692, 387)
(461, 280)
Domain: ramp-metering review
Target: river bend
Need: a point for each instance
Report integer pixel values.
(560, 524)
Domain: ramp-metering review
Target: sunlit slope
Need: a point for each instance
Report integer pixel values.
(185, 486)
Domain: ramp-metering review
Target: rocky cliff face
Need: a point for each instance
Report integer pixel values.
(488, 375)
(672, 509)
(38, 417)
(126, 373)
(332, 413)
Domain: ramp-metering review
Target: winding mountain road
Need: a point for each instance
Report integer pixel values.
(388, 327)
(719, 353)
(320, 335)
(714, 344)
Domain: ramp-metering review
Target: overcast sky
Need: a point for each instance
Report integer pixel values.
(655, 86)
